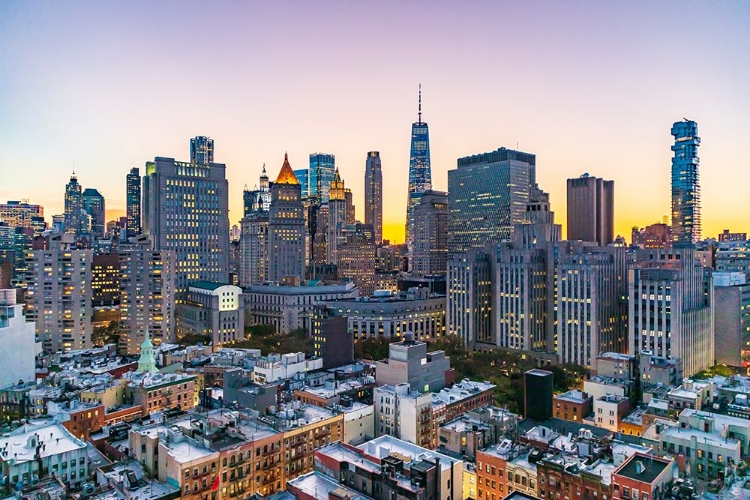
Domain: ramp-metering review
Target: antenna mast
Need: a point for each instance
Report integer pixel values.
(420, 103)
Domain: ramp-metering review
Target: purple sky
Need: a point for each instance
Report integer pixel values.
(587, 86)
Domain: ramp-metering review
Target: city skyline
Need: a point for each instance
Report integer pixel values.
(588, 101)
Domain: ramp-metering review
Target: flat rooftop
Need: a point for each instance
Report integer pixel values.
(320, 486)
(386, 445)
(643, 468)
(573, 396)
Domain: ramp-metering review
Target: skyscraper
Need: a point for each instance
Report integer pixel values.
(73, 206)
(337, 218)
(429, 248)
(133, 202)
(320, 175)
(254, 242)
(686, 191)
(185, 208)
(374, 194)
(487, 196)
(58, 298)
(201, 150)
(591, 206)
(147, 299)
(287, 233)
(93, 204)
(260, 194)
(420, 175)
(303, 176)
(671, 307)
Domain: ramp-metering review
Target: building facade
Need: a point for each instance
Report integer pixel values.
(147, 296)
(186, 210)
(671, 308)
(94, 205)
(503, 180)
(214, 310)
(201, 150)
(429, 239)
(320, 176)
(59, 296)
(73, 206)
(133, 202)
(591, 210)
(18, 362)
(686, 201)
(393, 316)
(374, 194)
(287, 234)
(420, 172)
(290, 307)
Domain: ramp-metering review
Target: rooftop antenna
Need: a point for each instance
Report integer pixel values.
(420, 103)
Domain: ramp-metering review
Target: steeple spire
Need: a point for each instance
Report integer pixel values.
(147, 362)
(420, 103)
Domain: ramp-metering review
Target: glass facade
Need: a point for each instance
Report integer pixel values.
(133, 202)
(487, 195)
(201, 150)
(686, 219)
(320, 175)
(420, 174)
(302, 175)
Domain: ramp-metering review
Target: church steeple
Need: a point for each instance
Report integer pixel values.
(147, 362)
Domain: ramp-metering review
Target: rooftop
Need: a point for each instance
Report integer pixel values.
(460, 391)
(386, 445)
(574, 396)
(644, 468)
(21, 444)
(320, 486)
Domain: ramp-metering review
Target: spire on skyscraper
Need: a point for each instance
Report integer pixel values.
(286, 175)
(420, 103)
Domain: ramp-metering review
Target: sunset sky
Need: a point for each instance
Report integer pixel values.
(586, 86)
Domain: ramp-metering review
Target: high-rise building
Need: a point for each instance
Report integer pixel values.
(303, 176)
(420, 173)
(260, 194)
(671, 307)
(147, 295)
(732, 319)
(374, 194)
(133, 202)
(73, 206)
(487, 196)
(287, 234)
(351, 216)
(201, 150)
(93, 204)
(591, 207)
(658, 235)
(254, 245)
(686, 191)
(538, 387)
(337, 218)
(320, 176)
(429, 238)
(58, 298)
(356, 257)
(587, 284)
(21, 214)
(469, 301)
(17, 337)
(105, 280)
(185, 208)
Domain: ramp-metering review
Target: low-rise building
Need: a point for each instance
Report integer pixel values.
(572, 405)
(288, 307)
(409, 362)
(390, 315)
(31, 453)
(275, 367)
(214, 310)
(156, 392)
(506, 468)
(642, 476)
(609, 410)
